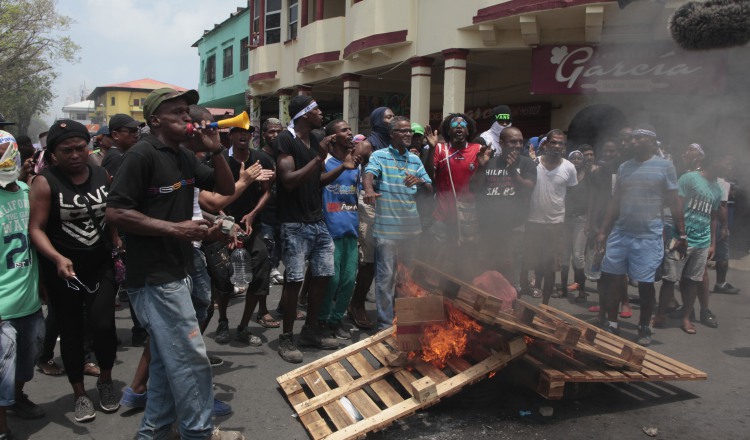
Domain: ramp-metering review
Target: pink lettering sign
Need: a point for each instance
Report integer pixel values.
(625, 69)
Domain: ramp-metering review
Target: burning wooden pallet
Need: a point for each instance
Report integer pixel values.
(543, 322)
(360, 388)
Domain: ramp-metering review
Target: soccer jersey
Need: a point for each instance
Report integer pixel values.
(700, 199)
(19, 277)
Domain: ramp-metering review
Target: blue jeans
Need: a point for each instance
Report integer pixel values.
(180, 375)
(306, 242)
(20, 343)
(388, 253)
(201, 291)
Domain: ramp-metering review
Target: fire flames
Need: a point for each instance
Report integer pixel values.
(439, 341)
(447, 339)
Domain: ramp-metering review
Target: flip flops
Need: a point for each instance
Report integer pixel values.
(267, 321)
(50, 368)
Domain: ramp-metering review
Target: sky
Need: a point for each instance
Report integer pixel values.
(125, 40)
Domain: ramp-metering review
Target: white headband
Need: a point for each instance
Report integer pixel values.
(643, 132)
(698, 148)
(299, 114)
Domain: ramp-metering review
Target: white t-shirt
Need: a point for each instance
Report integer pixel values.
(547, 204)
(725, 186)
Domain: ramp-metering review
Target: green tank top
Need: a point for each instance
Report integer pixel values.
(19, 274)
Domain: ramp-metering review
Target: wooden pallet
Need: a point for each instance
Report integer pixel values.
(549, 374)
(380, 392)
(538, 322)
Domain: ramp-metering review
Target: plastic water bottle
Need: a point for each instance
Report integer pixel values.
(241, 266)
(593, 264)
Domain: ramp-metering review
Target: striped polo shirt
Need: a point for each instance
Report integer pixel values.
(396, 215)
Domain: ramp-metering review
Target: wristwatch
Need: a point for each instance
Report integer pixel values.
(218, 152)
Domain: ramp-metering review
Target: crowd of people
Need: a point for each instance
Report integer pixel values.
(156, 209)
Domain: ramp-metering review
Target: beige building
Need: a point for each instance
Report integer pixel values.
(582, 65)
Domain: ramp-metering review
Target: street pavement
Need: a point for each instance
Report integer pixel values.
(714, 409)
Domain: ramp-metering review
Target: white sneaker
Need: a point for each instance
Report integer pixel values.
(276, 277)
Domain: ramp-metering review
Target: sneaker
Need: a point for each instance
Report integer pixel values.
(243, 334)
(644, 335)
(709, 319)
(222, 332)
(218, 434)
(339, 331)
(287, 350)
(215, 361)
(276, 277)
(131, 399)
(84, 409)
(726, 288)
(315, 337)
(108, 401)
(26, 409)
(613, 330)
(220, 408)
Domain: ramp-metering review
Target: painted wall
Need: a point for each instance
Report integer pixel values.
(230, 89)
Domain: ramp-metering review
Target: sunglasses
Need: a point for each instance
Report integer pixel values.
(75, 286)
(455, 124)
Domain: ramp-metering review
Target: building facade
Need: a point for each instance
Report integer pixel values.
(224, 63)
(126, 98)
(581, 65)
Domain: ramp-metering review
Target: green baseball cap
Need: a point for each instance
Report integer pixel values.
(417, 129)
(155, 98)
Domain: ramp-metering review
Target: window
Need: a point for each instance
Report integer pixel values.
(211, 70)
(228, 61)
(273, 21)
(243, 53)
(81, 116)
(112, 100)
(256, 22)
(136, 102)
(292, 32)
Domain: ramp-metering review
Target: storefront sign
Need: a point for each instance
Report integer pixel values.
(626, 69)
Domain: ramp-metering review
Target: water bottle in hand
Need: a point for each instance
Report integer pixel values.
(241, 265)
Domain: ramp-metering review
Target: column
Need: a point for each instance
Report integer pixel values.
(351, 100)
(304, 90)
(454, 85)
(303, 13)
(319, 9)
(253, 109)
(421, 74)
(285, 95)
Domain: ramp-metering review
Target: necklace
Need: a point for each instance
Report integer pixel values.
(397, 162)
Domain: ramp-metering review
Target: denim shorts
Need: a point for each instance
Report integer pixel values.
(20, 343)
(639, 258)
(303, 242)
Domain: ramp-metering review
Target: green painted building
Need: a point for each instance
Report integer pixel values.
(224, 58)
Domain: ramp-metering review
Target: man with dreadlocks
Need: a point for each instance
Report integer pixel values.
(451, 165)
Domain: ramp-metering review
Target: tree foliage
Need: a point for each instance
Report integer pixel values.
(32, 45)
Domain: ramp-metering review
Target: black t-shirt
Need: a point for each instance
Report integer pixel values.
(268, 215)
(159, 182)
(501, 202)
(577, 197)
(304, 203)
(70, 227)
(112, 160)
(249, 198)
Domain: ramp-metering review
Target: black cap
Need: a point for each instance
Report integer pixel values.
(3, 122)
(65, 129)
(502, 113)
(120, 120)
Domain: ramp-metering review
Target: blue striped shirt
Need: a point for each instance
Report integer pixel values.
(396, 215)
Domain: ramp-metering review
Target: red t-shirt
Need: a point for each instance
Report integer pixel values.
(463, 165)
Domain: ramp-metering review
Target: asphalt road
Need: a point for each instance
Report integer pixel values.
(714, 409)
